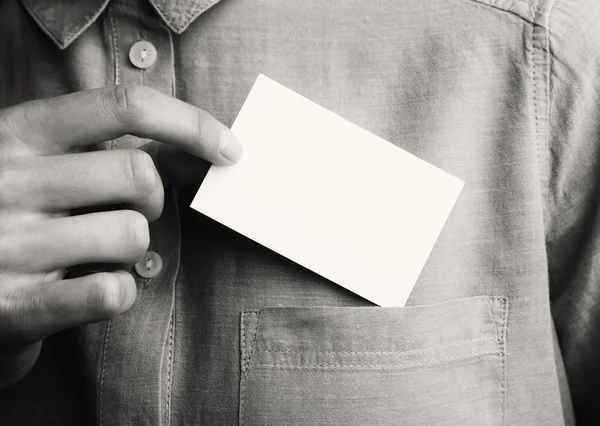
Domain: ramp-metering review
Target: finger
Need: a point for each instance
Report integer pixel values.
(56, 125)
(108, 237)
(62, 182)
(54, 306)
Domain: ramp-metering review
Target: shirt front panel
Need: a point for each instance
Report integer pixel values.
(452, 82)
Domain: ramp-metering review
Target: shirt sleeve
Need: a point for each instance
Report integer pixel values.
(572, 189)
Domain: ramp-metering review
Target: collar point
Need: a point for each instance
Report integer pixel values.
(173, 18)
(62, 21)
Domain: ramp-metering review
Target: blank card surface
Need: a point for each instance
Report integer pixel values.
(329, 195)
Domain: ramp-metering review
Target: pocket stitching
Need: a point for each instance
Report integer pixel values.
(502, 343)
(243, 368)
(246, 357)
(382, 366)
(500, 340)
(413, 351)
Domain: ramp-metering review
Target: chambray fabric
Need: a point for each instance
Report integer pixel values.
(502, 327)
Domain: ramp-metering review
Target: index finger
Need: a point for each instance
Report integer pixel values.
(56, 125)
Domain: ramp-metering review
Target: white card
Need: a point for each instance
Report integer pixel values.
(329, 195)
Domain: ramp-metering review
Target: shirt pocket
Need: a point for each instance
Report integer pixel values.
(419, 365)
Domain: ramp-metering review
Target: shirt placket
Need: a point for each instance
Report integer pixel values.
(134, 383)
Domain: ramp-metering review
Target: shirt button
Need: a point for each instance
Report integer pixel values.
(150, 265)
(142, 54)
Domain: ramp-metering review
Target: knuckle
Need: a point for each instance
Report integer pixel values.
(5, 131)
(108, 295)
(17, 309)
(128, 102)
(140, 172)
(10, 305)
(8, 130)
(208, 132)
(7, 181)
(138, 234)
(13, 254)
(13, 123)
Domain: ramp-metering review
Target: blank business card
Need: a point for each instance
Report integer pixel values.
(329, 195)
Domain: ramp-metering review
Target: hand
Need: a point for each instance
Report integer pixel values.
(42, 178)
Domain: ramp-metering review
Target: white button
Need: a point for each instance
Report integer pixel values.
(142, 54)
(150, 265)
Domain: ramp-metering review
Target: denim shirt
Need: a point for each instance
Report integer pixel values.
(503, 325)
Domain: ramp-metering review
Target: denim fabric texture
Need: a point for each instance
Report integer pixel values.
(503, 325)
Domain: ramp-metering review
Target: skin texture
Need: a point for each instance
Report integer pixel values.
(45, 172)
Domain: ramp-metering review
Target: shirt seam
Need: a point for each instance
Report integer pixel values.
(173, 335)
(117, 70)
(550, 202)
(534, 50)
(169, 390)
(171, 340)
(103, 370)
(540, 62)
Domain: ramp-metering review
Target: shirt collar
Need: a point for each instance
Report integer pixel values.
(64, 20)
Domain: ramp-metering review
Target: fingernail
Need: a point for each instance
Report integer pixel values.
(232, 148)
